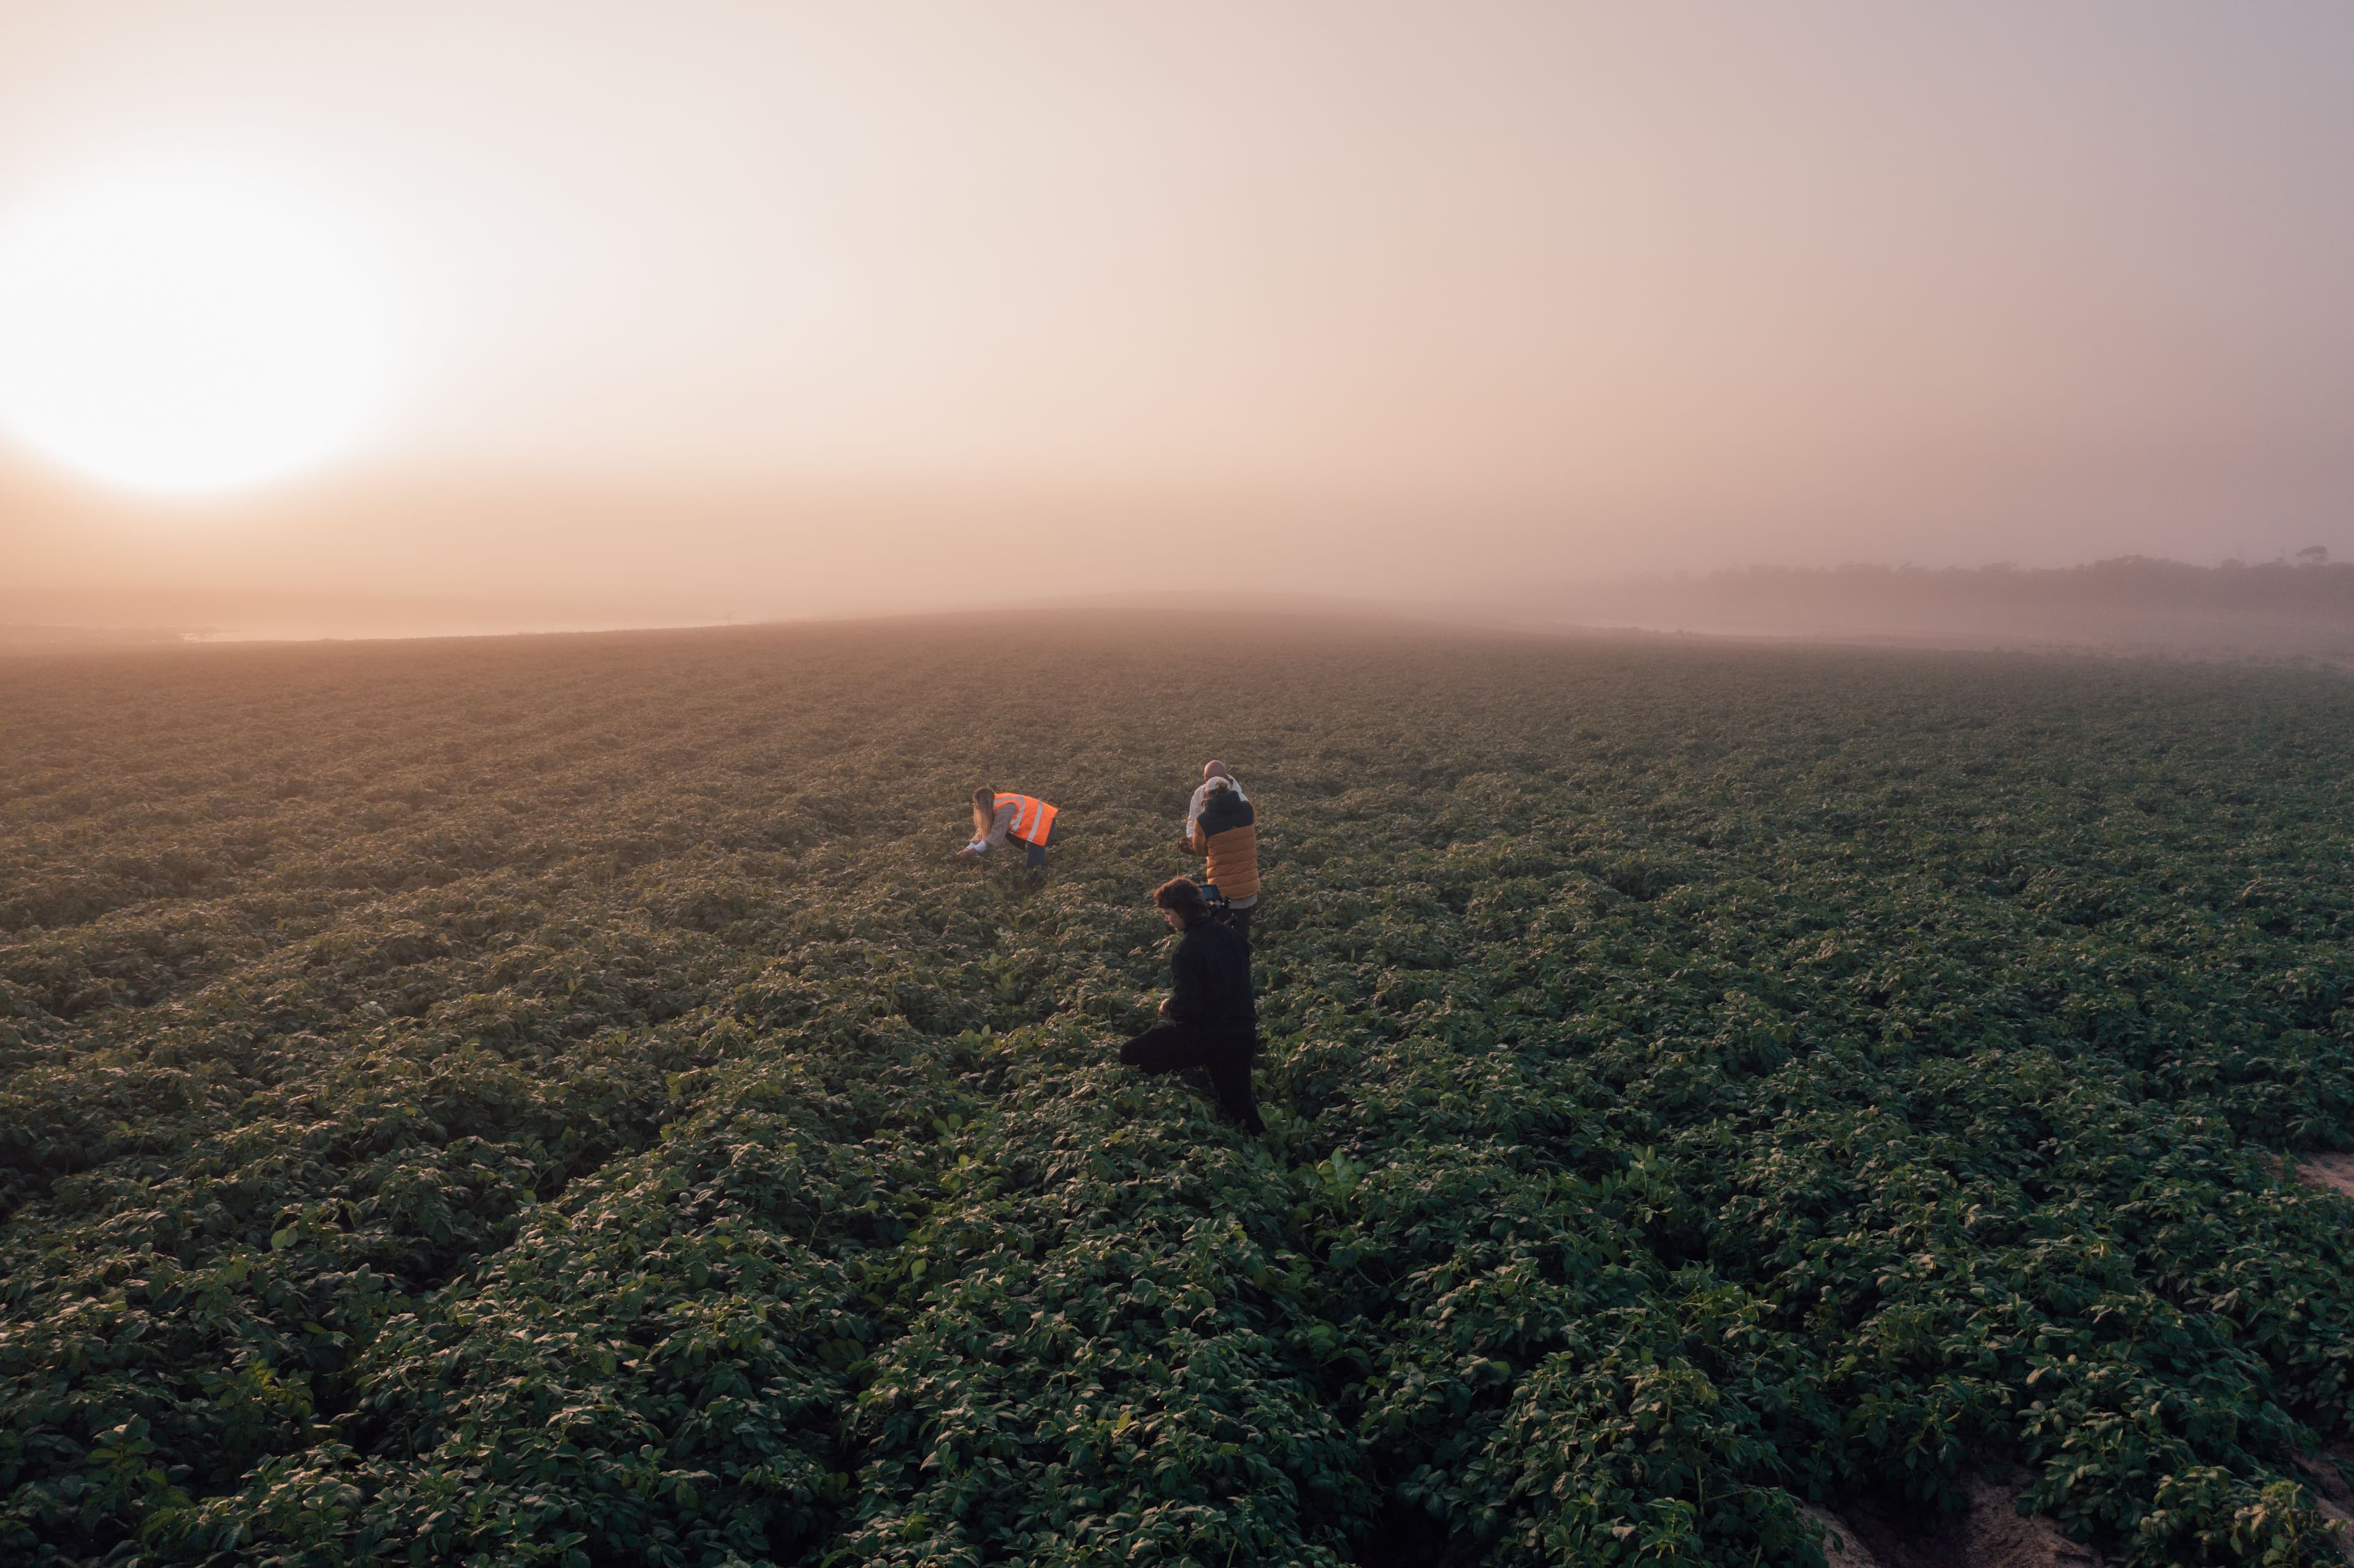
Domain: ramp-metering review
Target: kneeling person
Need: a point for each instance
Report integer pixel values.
(1209, 1018)
(1025, 819)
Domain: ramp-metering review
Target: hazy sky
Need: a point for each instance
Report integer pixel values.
(764, 308)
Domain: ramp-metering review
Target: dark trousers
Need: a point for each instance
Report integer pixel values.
(1227, 1052)
(1240, 920)
(1036, 859)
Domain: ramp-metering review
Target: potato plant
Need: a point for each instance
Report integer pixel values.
(555, 1101)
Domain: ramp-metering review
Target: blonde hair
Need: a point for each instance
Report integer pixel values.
(984, 812)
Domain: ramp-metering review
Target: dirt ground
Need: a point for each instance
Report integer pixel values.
(1990, 1533)
(2332, 1171)
(2325, 1478)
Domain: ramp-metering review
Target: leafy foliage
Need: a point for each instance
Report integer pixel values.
(555, 1101)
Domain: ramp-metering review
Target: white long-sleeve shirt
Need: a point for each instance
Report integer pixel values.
(1202, 798)
(1007, 809)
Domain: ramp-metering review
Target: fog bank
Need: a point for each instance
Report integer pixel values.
(725, 311)
(2300, 608)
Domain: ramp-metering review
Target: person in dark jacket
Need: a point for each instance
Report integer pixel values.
(1209, 1019)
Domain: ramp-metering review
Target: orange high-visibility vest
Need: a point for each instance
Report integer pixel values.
(1033, 822)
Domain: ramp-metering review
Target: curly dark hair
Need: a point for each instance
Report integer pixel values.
(1182, 898)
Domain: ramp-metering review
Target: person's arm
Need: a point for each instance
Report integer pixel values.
(1235, 1002)
(1186, 981)
(1006, 812)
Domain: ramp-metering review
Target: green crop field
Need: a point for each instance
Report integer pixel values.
(557, 1101)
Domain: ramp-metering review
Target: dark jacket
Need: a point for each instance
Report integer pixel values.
(1227, 832)
(1210, 978)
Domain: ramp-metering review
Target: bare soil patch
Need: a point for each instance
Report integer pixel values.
(1990, 1533)
(2325, 1477)
(2333, 1172)
(1842, 1548)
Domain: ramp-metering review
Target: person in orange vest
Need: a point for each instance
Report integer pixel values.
(1025, 819)
(1221, 824)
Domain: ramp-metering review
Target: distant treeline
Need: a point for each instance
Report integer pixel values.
(14, 635)
(2128, 600)
(2311, 585)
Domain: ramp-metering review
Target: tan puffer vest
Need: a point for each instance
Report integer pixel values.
(1227, 832)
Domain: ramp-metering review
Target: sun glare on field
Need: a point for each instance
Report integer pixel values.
(182, 332)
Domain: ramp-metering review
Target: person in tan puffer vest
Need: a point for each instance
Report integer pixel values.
(1221, 824)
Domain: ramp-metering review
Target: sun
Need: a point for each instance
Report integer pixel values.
(182, 331)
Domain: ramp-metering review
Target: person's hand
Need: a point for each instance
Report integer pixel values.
(1164, 1005)
(967, 853)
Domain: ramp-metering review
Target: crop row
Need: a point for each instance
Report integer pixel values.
(556, 1101)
